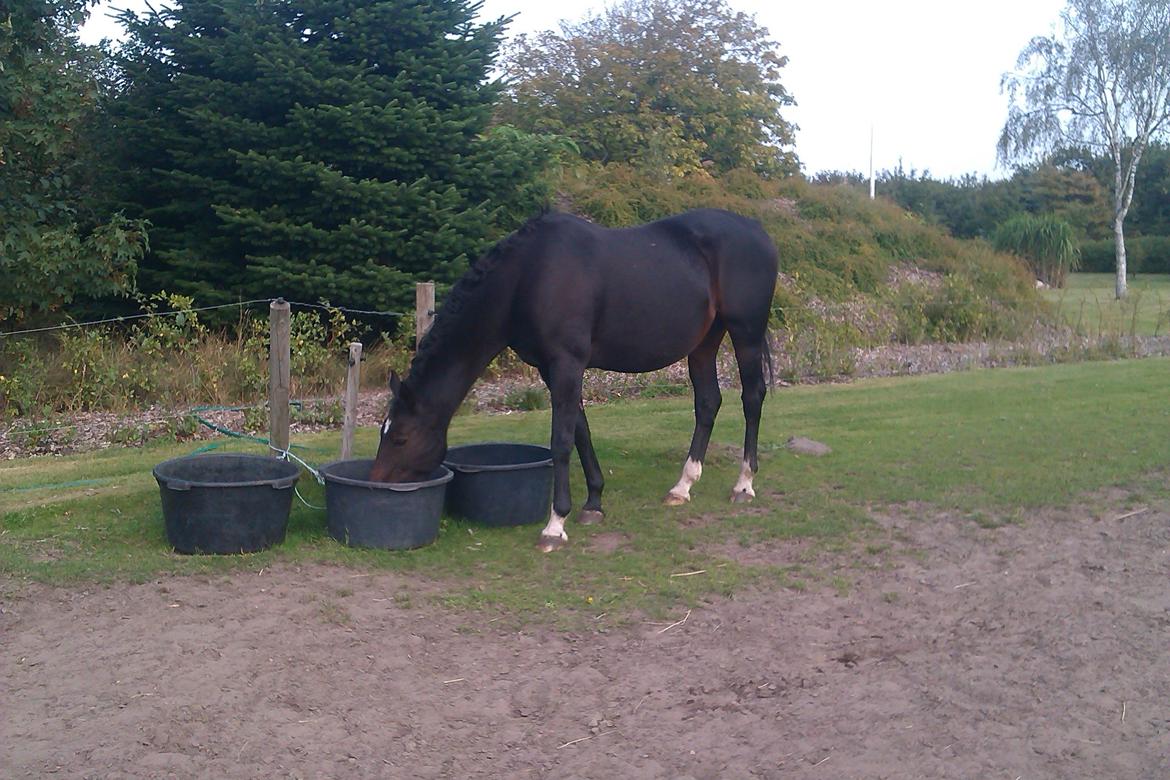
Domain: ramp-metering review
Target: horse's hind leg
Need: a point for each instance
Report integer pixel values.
(590, 513)
(705, 381)
(749, 354)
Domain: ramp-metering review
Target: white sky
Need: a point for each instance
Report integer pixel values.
(924, 73)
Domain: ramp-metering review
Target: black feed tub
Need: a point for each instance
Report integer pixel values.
(385, 515)
(500, 483)
(225, 502)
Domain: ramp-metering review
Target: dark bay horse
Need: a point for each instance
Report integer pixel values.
(567, 295)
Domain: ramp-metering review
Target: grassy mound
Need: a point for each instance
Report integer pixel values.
(854, 272)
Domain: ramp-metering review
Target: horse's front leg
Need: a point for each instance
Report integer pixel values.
(564, 385)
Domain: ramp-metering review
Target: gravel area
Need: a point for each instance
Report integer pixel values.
(522, 389)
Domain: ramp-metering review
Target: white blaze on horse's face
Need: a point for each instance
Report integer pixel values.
(692, 470)
(386, 426)
(744, 483)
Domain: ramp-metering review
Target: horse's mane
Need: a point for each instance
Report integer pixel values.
(447, 319)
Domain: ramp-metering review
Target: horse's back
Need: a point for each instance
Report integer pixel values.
(713, 234)
(639, 298)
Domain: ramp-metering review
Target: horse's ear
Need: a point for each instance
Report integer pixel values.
(401, 393)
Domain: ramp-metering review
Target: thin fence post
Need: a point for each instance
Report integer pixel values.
(353, 378)
(279, 377)
(424, 310)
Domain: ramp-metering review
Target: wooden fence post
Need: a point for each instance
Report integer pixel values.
(424, 310)
(353, 379)
(279, 379)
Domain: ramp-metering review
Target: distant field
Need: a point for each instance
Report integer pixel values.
(1088, 304)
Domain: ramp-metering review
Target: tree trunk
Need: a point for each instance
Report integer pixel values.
(1119, 246)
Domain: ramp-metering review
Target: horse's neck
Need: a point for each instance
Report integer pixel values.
(450, 373)
(470, 330)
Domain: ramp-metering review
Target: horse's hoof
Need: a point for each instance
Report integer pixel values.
(673, 499)
(741, 497)
(549, 543)
(590, 516)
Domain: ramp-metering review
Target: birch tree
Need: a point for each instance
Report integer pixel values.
(1102, 81)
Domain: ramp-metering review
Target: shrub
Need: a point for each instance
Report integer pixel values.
(173, 359)
(527, 398)
(1098, 256)
(1046, 243)
(1143, 254)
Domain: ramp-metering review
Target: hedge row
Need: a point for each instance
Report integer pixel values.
(1144, 254)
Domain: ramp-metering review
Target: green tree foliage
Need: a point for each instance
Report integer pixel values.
(663, 84)
(1071, 195)
(1150, 215)
(1047, 243)
(1147, 232)
(330, 149)
(974, 207)
(1101, 82)
(55, 245)
(969, 207)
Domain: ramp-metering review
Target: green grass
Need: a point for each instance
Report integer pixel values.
(987, 447)
(1088, 303)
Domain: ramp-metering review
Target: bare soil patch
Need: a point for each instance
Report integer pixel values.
(608, 541)
(1035, 650)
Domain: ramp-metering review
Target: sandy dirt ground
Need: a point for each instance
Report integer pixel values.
(1033, 651)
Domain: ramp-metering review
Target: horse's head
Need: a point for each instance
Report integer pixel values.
(411, 447)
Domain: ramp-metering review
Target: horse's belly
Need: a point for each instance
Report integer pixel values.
(634, 364)
(650, 340)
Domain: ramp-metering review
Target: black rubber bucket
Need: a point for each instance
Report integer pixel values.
(225, 502)
(385, 515)
(500, 483)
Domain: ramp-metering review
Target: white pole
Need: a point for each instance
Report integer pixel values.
(871, 179)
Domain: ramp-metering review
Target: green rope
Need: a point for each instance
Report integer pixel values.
(227, 431)
(194, 412)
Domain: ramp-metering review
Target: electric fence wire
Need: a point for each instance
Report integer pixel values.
(128, 317)
(196, 310)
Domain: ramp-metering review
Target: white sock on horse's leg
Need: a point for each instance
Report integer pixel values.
(553, 535)
(681, 492)
(743, 490)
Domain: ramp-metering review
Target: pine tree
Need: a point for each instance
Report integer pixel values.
(331, 149)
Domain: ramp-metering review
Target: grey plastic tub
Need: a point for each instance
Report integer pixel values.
(383, 515)
(500, 483)
(225, 502)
